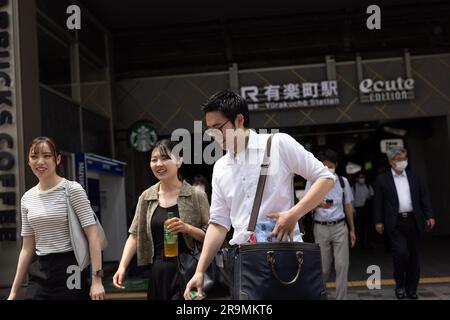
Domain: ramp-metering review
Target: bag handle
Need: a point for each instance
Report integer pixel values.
(271, 261)
(260, 187)
(196, 205)
(67, 194)
(67, 186)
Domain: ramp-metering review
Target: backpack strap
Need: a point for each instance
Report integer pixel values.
(342, 183)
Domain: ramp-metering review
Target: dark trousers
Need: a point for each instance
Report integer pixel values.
(51, 278)
(404, 242)
(364, 226)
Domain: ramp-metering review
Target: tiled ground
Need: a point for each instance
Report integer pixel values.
(435, 267)
(439, 291)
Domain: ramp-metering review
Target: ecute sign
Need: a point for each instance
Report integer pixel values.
(390, 90)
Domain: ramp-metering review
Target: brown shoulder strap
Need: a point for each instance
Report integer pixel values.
(260, 187)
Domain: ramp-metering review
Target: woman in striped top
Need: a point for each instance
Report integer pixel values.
(45, 231)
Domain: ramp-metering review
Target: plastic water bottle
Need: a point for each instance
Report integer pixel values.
(170, 240)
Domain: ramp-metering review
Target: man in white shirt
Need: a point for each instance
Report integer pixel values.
(401, 209)
(236, 174)
(330, 228)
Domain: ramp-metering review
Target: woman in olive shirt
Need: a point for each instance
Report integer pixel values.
(191, 209)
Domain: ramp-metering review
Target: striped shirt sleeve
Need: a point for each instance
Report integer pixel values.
(26, 227)
(81, 205)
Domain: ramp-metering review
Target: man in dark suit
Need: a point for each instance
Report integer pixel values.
(402, 208)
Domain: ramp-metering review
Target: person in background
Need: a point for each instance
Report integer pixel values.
(330, 230)
(363, 193)
(199, 181)
(403, 210)
(45, 232)
(147, 229)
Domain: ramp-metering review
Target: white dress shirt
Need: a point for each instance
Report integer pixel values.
(336, 211)
(235, 178)
(403, 191)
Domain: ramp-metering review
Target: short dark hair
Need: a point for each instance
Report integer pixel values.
(328, 155)
(360, 173)
(200, 179)
(164, 146)
(229, 104)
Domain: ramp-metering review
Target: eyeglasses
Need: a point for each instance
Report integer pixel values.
(216, 131)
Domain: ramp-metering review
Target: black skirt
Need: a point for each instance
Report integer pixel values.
(163, 282)
(52, 277)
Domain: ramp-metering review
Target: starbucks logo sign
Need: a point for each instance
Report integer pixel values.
(143, 136)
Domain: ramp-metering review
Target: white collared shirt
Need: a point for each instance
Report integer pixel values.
(403, 191)
(336, 211)
(235, 179)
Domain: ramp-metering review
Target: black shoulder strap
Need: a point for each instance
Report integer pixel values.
(342, 183)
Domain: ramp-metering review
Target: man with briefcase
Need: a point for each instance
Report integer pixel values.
(241, 198)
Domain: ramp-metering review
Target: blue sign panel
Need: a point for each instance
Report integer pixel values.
(104, 165)
(80, 169)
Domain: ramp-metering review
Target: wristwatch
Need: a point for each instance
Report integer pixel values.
(98, 273)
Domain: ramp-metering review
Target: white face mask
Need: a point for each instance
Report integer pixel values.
(332, 170)
(401, 165)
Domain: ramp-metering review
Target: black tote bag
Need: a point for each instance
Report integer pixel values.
(275, 270)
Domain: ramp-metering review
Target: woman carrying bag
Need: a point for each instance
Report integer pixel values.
(191, 214)
(53, 273)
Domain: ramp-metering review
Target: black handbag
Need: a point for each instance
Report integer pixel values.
(187, 264)
(275, 270)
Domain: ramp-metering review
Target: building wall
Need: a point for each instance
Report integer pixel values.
(431, 91)
(75, 74)
(172, 102)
